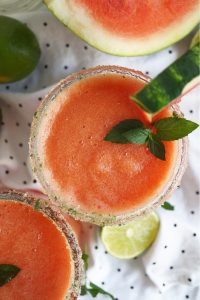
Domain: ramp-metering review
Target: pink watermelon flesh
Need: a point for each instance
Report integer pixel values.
(137, 18)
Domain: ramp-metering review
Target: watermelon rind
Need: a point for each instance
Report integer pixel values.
(169, 84)
(79, 21)
(196, 81)
(195, 39)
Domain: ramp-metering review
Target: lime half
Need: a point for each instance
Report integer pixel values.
(130, 240)
(19, 50)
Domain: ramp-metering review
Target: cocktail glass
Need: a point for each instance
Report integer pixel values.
(48, 210)
(42, 124)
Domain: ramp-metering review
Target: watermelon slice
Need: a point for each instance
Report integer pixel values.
(179, 78)
(128, 27)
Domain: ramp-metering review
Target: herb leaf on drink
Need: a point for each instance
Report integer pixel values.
(137, 136)
(156, 147)
(7, 273)
(167, 129)
(115, 135)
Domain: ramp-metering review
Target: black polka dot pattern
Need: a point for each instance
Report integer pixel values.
(74, 54)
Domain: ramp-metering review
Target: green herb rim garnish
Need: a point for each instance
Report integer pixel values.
(7, 273)
(37, 205)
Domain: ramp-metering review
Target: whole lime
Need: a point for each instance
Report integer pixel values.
(19, 50)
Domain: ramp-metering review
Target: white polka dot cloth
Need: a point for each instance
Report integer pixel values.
(170, 268)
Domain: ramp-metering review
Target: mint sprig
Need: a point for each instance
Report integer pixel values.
(92, 289)
(7, 273)
(167, 129)
(137, 136)
(155, 146)
(170, 129)
(115, 135)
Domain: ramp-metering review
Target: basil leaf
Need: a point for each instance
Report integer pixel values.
(83, 290)
(7, 273)
(168, 206)
(115, 134)
(170, 129)
(85, 258)
(137, 136)
(156, 147)
(95, 290)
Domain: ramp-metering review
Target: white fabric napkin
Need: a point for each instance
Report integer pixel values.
(170, 268)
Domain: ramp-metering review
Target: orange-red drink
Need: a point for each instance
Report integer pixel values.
(35, 238)
(90, 178)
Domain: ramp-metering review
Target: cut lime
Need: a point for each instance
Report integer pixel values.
(19, 50)
(130, 240)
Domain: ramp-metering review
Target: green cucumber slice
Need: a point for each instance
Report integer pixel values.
(168, 85)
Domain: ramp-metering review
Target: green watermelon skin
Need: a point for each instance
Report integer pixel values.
(170, 83)
(84, 21)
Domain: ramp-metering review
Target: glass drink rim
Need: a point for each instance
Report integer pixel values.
(94, 217)
(51, 212)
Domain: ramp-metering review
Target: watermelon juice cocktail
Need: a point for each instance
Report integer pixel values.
(35, 238)
(90, 178)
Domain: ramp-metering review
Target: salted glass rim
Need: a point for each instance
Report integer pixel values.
(77, 212)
